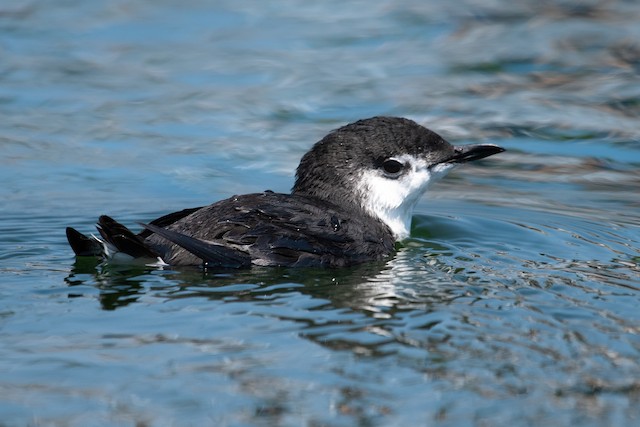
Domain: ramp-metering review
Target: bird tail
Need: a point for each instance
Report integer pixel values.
(117, 243)
(83, 245)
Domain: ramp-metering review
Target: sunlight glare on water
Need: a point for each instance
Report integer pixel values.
(515, 301)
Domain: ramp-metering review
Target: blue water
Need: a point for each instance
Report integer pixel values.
(515, 302)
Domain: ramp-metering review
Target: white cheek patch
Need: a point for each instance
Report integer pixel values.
(392, 200)
(440, 170)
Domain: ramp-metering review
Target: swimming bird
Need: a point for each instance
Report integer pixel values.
(353, 198)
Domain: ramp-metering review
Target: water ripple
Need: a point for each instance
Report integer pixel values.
(514, 303)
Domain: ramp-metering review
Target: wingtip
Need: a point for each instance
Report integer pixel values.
(211, 254)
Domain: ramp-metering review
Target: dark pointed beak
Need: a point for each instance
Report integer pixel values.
(469, 153)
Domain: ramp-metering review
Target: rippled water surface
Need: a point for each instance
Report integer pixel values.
(516, 302)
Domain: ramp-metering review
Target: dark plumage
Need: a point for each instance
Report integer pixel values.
(329, 219)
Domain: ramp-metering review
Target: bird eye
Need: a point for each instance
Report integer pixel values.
(392, 168)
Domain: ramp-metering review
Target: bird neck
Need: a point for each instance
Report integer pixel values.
(397, 217)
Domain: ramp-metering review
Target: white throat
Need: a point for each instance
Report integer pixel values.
(392, 200)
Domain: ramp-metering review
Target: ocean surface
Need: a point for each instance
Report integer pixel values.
(516, 301)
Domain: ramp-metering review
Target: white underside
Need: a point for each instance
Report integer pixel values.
(393, 200)
(115, 257)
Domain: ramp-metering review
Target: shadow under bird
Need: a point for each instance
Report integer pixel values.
(353, 198)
